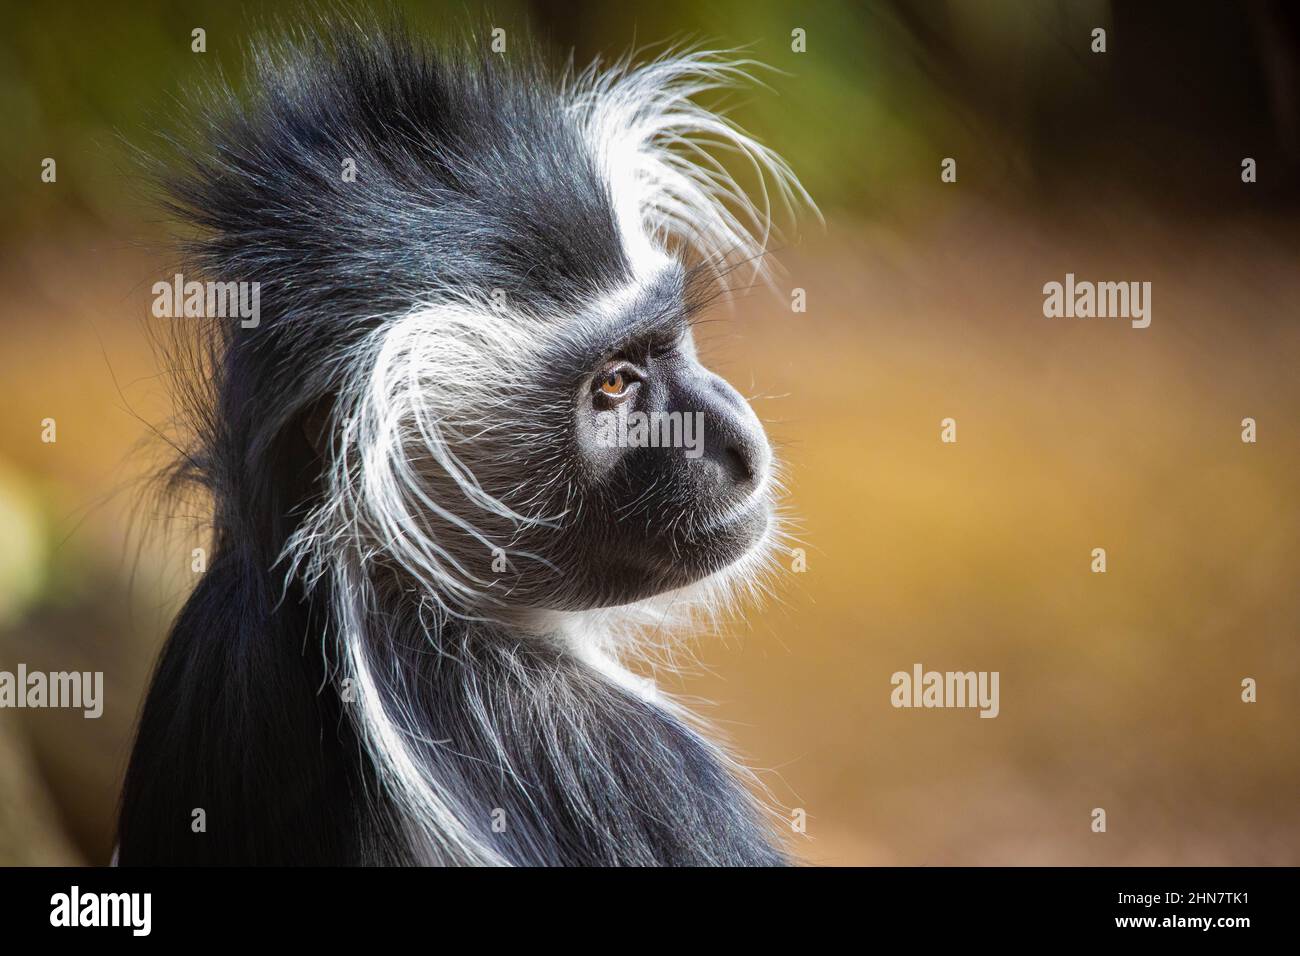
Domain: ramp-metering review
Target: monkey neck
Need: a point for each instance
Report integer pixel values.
(235, 724)
(456, 742)
(538, 755)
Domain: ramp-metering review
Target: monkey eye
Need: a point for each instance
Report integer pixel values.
(615, 380)
(613, 383)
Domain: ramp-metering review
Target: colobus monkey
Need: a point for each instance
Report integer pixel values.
(430, 563)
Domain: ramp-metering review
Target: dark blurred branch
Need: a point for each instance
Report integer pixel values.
(1277, 29)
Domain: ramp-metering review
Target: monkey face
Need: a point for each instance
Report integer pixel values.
(679, 471)
(521, 420)
(668, 468)
(507, 461)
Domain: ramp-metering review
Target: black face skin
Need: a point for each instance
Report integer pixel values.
(678, 518)
(658, 518)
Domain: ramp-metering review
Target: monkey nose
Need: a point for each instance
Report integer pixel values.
(738, 445)
(738, 464)
(746, 458)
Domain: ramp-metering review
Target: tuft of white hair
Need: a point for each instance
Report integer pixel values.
(658, 147)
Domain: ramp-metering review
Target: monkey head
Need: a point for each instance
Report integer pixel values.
(496, 311)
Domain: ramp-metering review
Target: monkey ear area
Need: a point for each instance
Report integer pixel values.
(315, 426)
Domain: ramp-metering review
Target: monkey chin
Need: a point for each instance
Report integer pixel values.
(730, 564)
(731, 536)
(716, 552)
(727, 548)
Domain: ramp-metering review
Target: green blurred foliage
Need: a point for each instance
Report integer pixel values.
(859, 114)
(885, 90)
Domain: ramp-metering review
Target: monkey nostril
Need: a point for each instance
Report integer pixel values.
(738, 465)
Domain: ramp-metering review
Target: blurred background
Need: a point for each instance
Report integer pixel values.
(924, 301)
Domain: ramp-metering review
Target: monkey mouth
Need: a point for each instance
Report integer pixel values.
(755, 508)
(739, 525)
